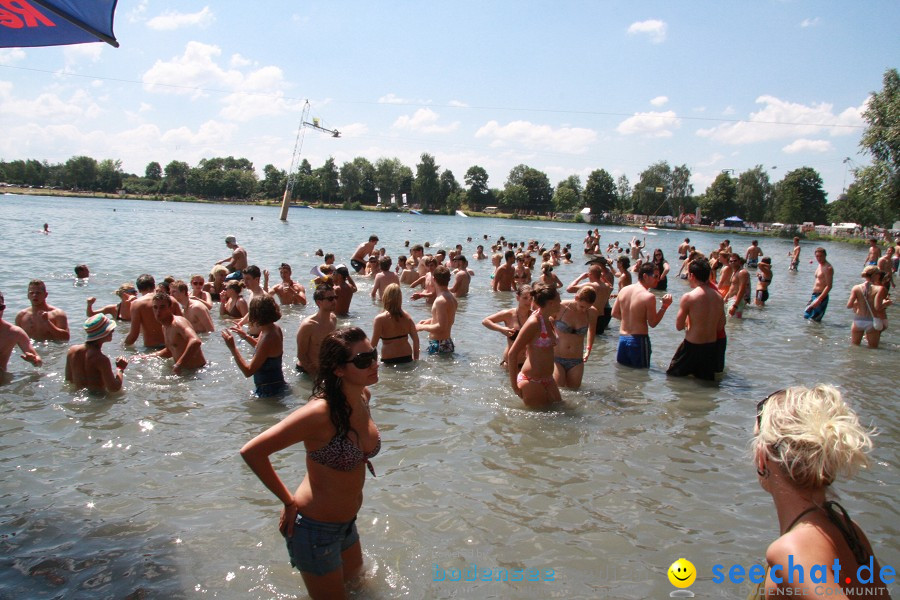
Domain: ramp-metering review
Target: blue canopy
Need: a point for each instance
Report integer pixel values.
(734, 220)
(28, 23)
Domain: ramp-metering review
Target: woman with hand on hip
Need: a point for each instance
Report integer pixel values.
(336, 428)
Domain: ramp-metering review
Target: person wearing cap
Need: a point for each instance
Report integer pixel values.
(12, 336)
(237, 261)
(358, 261)
(87, 366)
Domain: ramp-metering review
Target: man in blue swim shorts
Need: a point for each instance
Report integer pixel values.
(636, 308)
(815, 310)
(443, 314)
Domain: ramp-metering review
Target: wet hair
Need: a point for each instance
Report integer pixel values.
(814, 434)
(543, 293)
(508, 255)
(417, 247)
(401, 259)
(235, 286)
(595, 271)
(462, 259)
(145, 282)
(321, 290)
(125, 287)
(624, 261)
(766, 259)
(179, 285)
(333, 353)
(586, 294)
(869, 271)
(252, 271)
(547, 267)
(263, 310)
(392, 300)
(161, 296)
(822, 250)
(82, 271)
(37, 282)
(700, 269)
(441, 275)
(522, 289)
(327, 256)
(647, 268)
(373, 238)
(385, 263)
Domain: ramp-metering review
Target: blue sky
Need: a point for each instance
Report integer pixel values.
(564, 87)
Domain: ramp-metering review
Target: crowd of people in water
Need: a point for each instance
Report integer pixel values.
(549, 340)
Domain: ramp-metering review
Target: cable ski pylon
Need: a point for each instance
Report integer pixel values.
(298, 146)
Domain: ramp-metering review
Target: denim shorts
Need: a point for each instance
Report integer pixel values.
(316, 546)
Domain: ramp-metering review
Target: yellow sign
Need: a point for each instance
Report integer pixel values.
(659, 190)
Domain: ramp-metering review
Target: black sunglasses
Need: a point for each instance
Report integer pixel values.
(364, 360)
(761, 404)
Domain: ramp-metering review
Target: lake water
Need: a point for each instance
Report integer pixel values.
(143, 494)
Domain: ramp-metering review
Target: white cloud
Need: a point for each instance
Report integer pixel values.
(710, 161)
(238, 61)
(779, 119)
(573, 140)
(137, 13)
(353, 130)
(48, 107)
(424, 120)
(809, 22)
(655, 28)
(803, 145)
(650, 124)
(79, 53)
(458, 104)
(660, 101)
(194, 69)
(11, 55)
(171, 19)
(393, 98)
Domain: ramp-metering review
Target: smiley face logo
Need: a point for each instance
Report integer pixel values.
(682, 573)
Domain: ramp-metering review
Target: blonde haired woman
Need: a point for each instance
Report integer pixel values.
(804, 439)
(394, 327)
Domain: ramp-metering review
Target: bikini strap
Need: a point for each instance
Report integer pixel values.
(845, 526)
(800, 516)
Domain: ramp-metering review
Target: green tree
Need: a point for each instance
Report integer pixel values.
(426, 188)
(448, 196)
(536, 184)
(754, 195)
(81, 173)
(329, 181)
(565, 199)
(651, 192)
(479, 194)
(515, 197)
(681, 192)
(367, 181)
(273, 183)
(719, 200)
(389, 177)
(109, 175)
(153, 171)
(881, 140)
(175, 180)
(600, 192)
(624, 194)
(799, 197)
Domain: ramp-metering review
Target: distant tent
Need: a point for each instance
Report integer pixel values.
(734, 222)
(586, 211)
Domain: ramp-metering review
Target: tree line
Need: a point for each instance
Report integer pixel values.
(872, 199)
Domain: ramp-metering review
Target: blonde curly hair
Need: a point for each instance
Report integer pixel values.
(814, 434)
